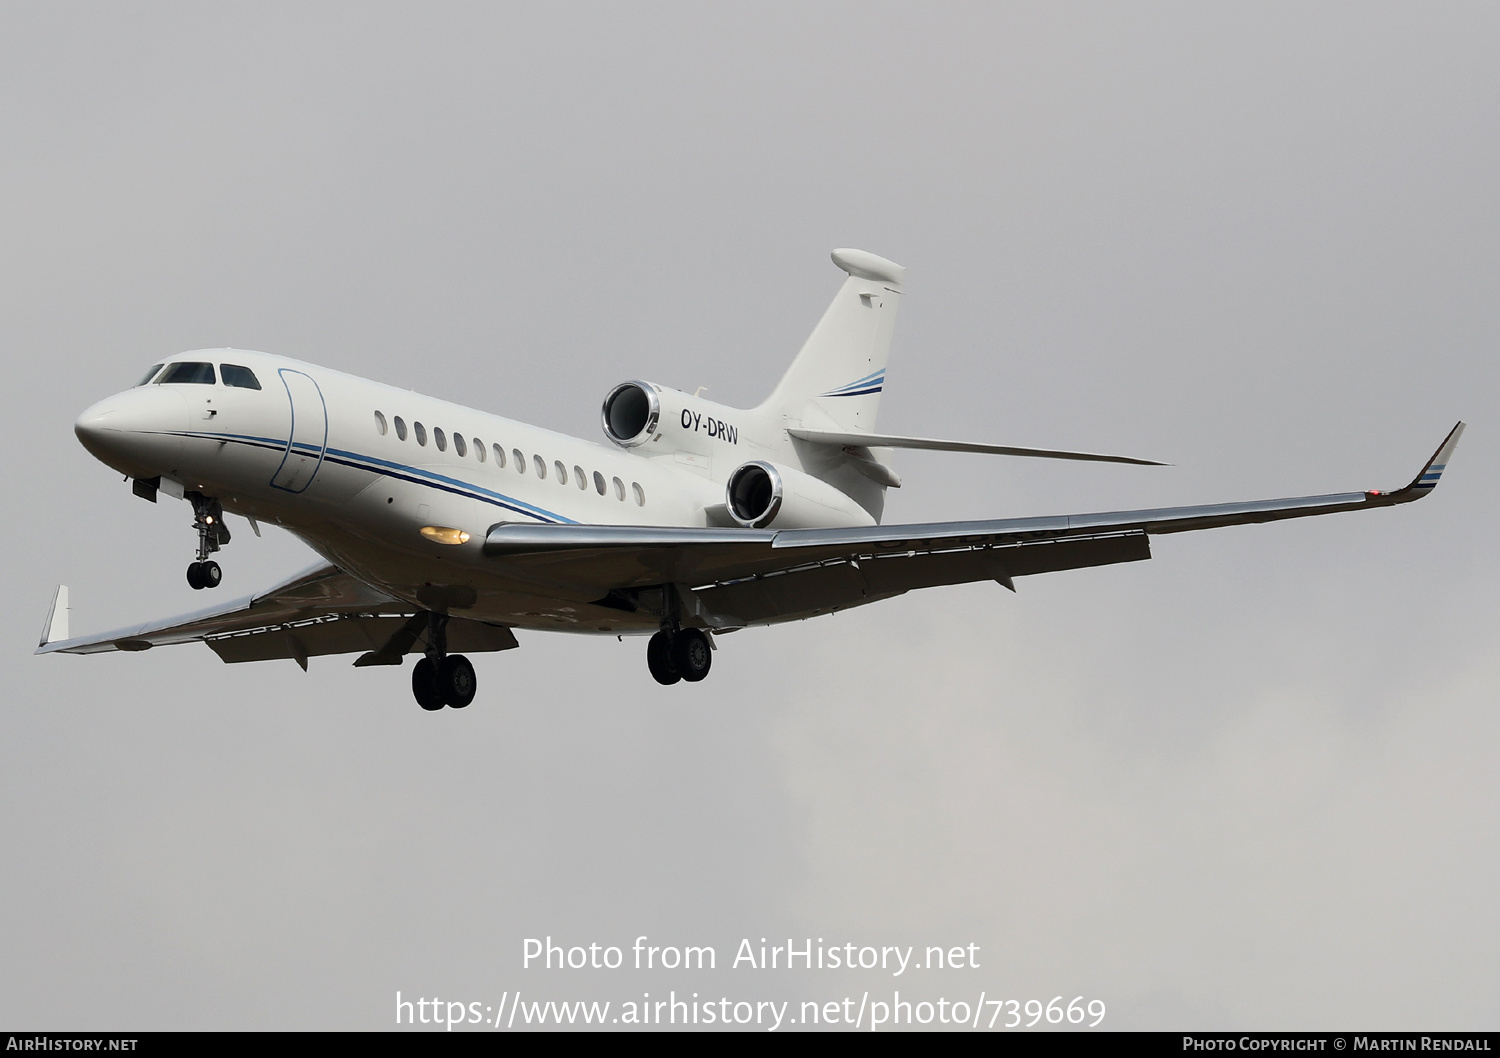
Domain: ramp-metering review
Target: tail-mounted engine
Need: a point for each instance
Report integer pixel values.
(754, 495)
(638, 412)
(760, 494)
(631, 413)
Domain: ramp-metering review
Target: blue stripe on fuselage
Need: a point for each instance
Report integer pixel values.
(400, 471)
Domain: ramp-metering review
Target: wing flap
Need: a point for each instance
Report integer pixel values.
(809, 590)
(591, 559)
(346, 634)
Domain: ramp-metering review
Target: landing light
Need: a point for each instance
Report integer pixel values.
(442, 534)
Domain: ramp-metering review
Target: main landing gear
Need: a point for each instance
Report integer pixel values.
(442, 678)
(208, 519)
(681, 655)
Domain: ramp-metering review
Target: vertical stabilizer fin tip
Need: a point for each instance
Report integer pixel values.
(865, 265)
(55, 628)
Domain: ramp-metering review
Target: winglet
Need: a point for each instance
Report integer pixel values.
(1427, 480)
(55, 628)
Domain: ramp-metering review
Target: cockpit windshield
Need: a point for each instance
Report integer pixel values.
(149, 375)
(185, 371)
(239, 377)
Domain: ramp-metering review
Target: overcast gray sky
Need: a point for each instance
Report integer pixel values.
(1248, 784)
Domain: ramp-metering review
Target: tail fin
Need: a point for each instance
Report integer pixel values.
(835, 381)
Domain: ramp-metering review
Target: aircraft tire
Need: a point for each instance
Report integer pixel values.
(691, 654)
(659, 659)
(210, 574)
(457, 680)
(424, 686)
(195, 576)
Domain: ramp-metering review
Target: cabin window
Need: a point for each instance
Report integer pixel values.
(599, 482)
(400, 428)
(640, 493)
(380, 426)
(499, 457)
(580, 477)
(619, 489)
(185, 372)
(520, 460)
(541, 466)
(421, 432)
(440, 439)
(240, 377)
(149, 375)
(459, 446)
(562, 472)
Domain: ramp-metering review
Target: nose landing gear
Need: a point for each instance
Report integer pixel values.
(441, 678)
(204, 575)
(208, 519)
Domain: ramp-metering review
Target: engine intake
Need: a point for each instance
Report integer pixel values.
(753, 495)
(630, 413)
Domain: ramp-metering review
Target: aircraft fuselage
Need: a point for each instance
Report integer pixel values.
(358, 470)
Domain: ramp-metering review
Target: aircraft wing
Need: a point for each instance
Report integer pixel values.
(319, 611)
(737, 577)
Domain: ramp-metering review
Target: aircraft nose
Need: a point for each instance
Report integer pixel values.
(90, 426)
(124, 431)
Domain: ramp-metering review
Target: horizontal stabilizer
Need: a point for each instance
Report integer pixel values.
(883, 440)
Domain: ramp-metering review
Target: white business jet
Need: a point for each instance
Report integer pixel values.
(442, 528)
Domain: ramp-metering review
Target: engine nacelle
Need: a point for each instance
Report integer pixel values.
(631, 412)
(760, 494)
(636, 412)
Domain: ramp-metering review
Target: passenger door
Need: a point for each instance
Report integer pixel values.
(307, 439)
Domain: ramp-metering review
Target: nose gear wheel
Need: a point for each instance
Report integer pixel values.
(204, 575)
